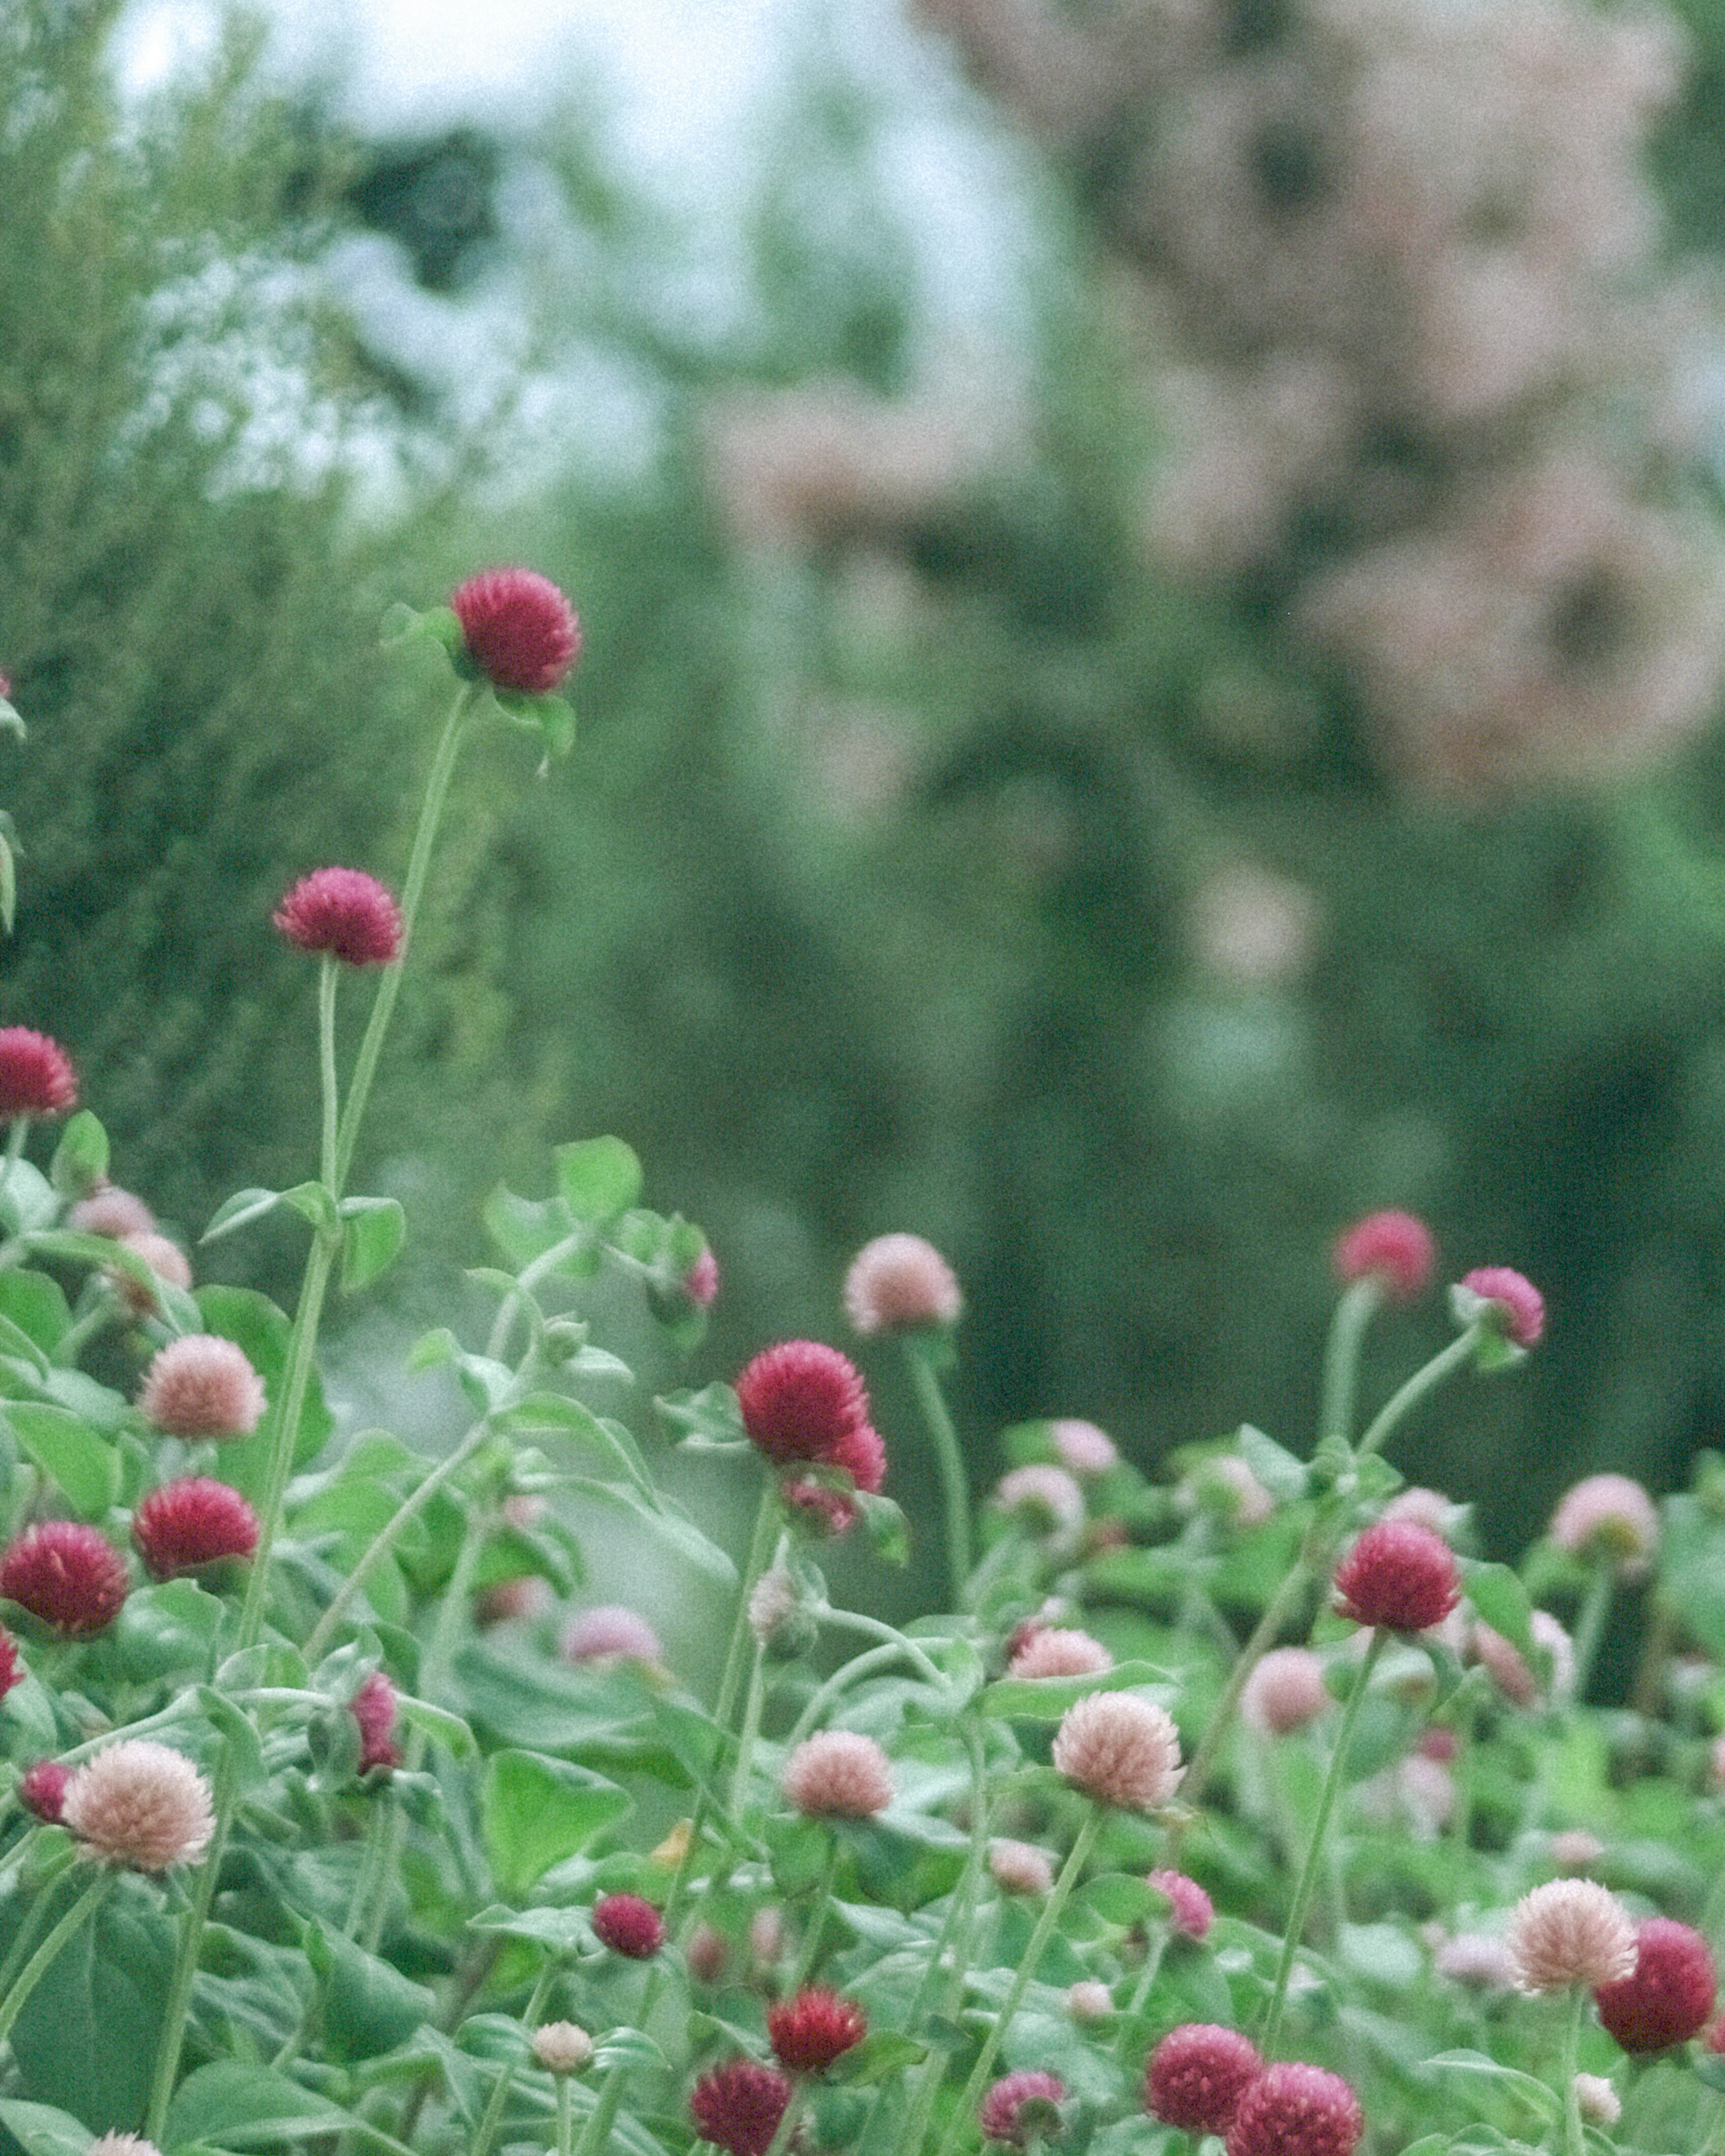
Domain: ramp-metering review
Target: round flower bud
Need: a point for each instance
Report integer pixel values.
(1608, 1517)
(344, 913)
(1294, 2110)
(1087, 2001)
(1570, 1931)
(809, 2031)
(838, 1773)
(166, 1261)
(190, 1524)
(520, 632)
(373, 1707)
(706, 1955)
(1479, 1959)
(1396, 1249)
(1574, 1849)
(1019, 1867)
(1191, 1912)
(1119, 1749)
(42, 1788)
(798, 1399)
(562, 2047)
(738, 2107)
(700, 1283)
(110, 1211)
(898, 1283)
(1007, 2113)
(609, 1635)
(774, 1603)
(139, 1804)
(1196, 2076)
(1517, 1309)
(1284, 1692)
(67, 1575)
(1046, 1498)
(1084, 1449)
(1597, 2100)
(1049, 1650)
(202, 1386)
(1668, 1996)
(36, 1075)
(1398, 1575)
(629, 1925)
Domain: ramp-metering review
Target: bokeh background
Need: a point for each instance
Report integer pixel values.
(1155, 606)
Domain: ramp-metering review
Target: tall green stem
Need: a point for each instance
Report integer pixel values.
(290, 1405)
(1426, 1380)
(1590, 1626)
(1347, 1330)
(955, 1488)
(1574, 2141)
(328, 1092)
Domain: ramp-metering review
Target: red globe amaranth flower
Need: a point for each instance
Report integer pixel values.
(12, 1671)
(1294, 2110)
(42, 1788)
(373, 1707)
(36, 1075)
(809, 2031)
(1197, 2075)
(522, 633)
(1395, 1248)
(1399, 1574)
(862, 1454)
(799, 1399)
(737, 2107)
(344, 913)
(629, 1925)
(1669, 1996)
(1521, 1304)
(1001, 2114)
(69, 1576)
(190, 1524)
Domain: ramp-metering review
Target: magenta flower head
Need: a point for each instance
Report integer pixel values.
(1120, 1749)
(42, 1788)
(373, 1707)
(838, 1773)
(67, 1575)
(201, 1385)
(809, 2031)
(1191, 1912)
(899, 1283)
(12, 1670)
(344, 913)
(36, 1075)
(1516, 1308)
(1019, 2105)
(1399, 1575)
(1294, 2110)
(1668, 1997)
(630, 1925)
(1609, 1517)
(737, 2107)
(1197, 2075)
(520, 632)
(1396, 1249)
(799, 1399)
(192, 1523)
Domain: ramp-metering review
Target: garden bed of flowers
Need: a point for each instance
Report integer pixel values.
(1244, 1802)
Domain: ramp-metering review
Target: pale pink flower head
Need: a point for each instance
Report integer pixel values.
(774, 1601)
(1053, 1651)
(707, 1953)
(1609, 1517)
(608, 1635)
(1597, 2100)
(344, 913)
(1570, 1931)
(1430, 1508)
(1573, 1850)
(1224, 1484)
(1509, 1668)
(1296, 2110)
(520, 632)
(1197, 2075)
(139, 1804)
(562, 2047)
(838, 1773)
(68, 1575)
(1005, 2112)
(1019, 1867)
(109, 1210)
(1191, 1912)
(1480, 1960)
(1046, 1497)
(1401, 1576)
(1284, 1692)
(165, 1260)
(202, 1386)
(1516, 1306)
(899, 1283)
(190, 1524)
(1084, 1449)
(1120, 1749)
(373, 1707)
(122, 2144)
(1088, 2000)
(1668, 1996)
(1396, 1249)
(36, 1075)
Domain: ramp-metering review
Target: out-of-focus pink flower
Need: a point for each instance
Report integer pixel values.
(898, 1283)
(1019, 1867)
(1191, 1912)
(1519, 1306)
(1120, 1749)
(36, 1075)
(1398, 1575)
(1597, 2100)
(838, 1773)
(1395, 1248)
(42, 1788)
(562, 2047)
(1088, 2001)
(630, 1925)
(700, 1283)
(1053, 1651)
(1001, 2113)
(109, 1210)
(373, 1707)
(1084, 1449)
(1573, 1850)
(609, 1634)
(1610, 1517)
(1668, 1996)
(343, 913)
(1284, 1692)
(1046, 1497)
(165, 1260)
(1479, 1959)
(1197, 2075)
(520, 632)
(202, 1386)
(69, 1576)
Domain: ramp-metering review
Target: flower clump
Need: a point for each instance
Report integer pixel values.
(1668, 1996)
(520, 631)
(737, 2107)
(899, 1283)
(814, 2027)
(139, 1804)
(630, 1925)
(342, 913)
(1296, 2110)
(1196, 2076)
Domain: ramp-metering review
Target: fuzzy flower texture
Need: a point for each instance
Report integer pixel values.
(1197, 2075)
(68, 1575)
(202, 1386)
(36, 1076)
(520, 632)
(803, 1404)
(1122, 1750)
(139, 1804)
(344, 913)
(737, 2107)
(898, 1283)
(190, 1524)
(1399, 1575)
(1019, 2105)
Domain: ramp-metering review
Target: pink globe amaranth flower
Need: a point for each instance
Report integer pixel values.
(737, 2107)
(520, 632)
(1296, 2110)
(140, 1804)
(192, 1523)
(1398, 1575)
(1479, 1959)
(1431, 1508)
(67, 1575)
(1001, 2112)
(1519, 1306)
(1668, 1996)
(373, 1707)
(36, 1075)
(706, 1955)
(1084, 1449)
(166, 1261)
(109, 1210)
(1395, 1248)
(1053, 1651)
(527, 1596)
(1019, 1867)
(42, 1788)
(1197, 2075)
(1570, 1931)
(898, 1283)
(838, 1773)
(798, 1399)
(1088, 2001)
(202, 1386)
(609, 1634)
(1597, 2100)
(1284, 1692)
(630, 1925)
(562, 2047)
(344, 913)
(821, 1508)
(1046, 1497)
(12, 1671)
(1191, 1912)
(700, 1283)
(1225, 1485)
(1119, 1749)
(1574, 1849)
(1608, 1517)
(861, 1452)
(809, 2031)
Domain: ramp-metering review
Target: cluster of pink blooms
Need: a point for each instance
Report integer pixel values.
(1209, 2079)
(804, 1404)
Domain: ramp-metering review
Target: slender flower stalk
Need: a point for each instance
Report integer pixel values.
(1590, 1623)
(1424, 1381)
(919, 1350)
(1354, 1310)
(329, 1090)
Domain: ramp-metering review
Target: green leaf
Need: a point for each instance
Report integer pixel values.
(34, 1306)
(30, 1201)
(79, 1459)
(369, 2007)
(885, 1525)
(598, 1179)
(243, 1206)
(42, 2130)
(711, 1420)
(563, 1930)
(229, 2104)
(439, 1724)
(536, 1811)
(1498, 1596)
(674, 1529)
(81, 1160)
(1282, 1474)
(167, 1631)
(440, 625)
(1538, 2094)
(251, 1320)
(376, 1228)
(87, 2035)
